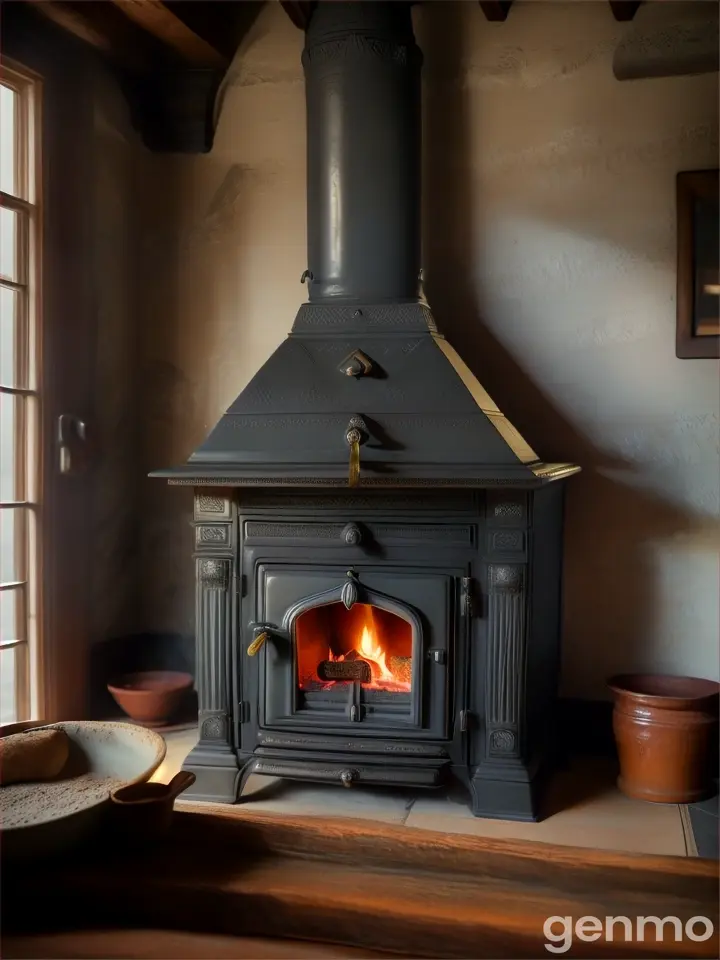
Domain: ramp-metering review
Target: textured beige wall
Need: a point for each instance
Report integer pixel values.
(549, 253)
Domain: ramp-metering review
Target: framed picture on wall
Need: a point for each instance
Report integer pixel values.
(698, 264)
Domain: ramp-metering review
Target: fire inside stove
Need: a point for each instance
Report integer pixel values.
(365, 645)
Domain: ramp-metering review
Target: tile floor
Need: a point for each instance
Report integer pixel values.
(591, 811)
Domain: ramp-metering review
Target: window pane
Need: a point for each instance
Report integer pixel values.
(8, 446)
(8, 336)
(12, 523)
(8, 701)
(8, 243)
(8, 115)
(8, 614)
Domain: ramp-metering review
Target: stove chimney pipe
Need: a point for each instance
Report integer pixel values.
(362, 81)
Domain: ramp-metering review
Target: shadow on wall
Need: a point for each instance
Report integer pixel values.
(185, 357)
(169, 403)
(610, 588)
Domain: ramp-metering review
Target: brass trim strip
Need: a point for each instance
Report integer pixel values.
(519, 446)
(553, 471)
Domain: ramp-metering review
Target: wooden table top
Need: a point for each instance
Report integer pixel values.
(356, 884)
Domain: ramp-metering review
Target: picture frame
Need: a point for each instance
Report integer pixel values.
(698, 264)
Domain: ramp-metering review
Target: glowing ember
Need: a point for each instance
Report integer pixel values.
(370, 649)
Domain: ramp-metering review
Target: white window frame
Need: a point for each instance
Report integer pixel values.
(25, 201)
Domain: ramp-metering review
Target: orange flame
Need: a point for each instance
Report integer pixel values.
(371, 650)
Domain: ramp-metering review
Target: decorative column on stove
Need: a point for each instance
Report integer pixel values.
(503, 770)
(214, 605)
(505, 666)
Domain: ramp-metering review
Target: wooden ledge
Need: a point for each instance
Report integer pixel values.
(358, 884)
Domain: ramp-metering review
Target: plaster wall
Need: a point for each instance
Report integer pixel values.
(549, 254)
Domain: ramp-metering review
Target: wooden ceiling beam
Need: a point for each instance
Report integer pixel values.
(100, 25)
(168, 57)
(496, 10)
(624, 10)
(222, 23)
(158, 20)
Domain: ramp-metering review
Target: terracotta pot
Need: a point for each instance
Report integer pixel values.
(151, 697)
(664, 729)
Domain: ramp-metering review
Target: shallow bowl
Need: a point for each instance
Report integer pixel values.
(48, 817)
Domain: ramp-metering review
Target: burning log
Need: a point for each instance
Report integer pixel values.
(345, 670)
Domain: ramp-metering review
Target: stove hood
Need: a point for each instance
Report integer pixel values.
(364, 391)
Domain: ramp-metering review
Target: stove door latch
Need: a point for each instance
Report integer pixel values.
(262, 633)
(437, 654)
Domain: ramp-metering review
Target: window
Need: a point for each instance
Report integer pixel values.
(19, 393)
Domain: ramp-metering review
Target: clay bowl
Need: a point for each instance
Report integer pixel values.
(151, 697)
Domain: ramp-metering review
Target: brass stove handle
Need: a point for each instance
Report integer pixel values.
(355, 435)
(263, 632)
(257, 643)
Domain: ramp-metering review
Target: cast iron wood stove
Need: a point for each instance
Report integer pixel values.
(378, 550)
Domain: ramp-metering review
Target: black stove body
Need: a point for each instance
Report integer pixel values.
(378, 550)
(387, 637)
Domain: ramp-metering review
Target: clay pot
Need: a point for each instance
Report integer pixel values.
(664, 729)
(151, 697)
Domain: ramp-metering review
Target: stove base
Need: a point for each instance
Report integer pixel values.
(221, 775)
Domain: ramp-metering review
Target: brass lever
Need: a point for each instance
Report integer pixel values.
(257, 643)
(354, 469)
(355, 434)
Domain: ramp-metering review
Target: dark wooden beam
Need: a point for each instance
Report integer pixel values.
(299, 11)
(160, 21)
(169, 73)
(222, 23)
(103, 27)
(624, 10)
(496, 10)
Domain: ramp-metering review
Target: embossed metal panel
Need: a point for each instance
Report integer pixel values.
(339, 534)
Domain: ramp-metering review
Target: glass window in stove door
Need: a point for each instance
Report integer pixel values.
(365, 644)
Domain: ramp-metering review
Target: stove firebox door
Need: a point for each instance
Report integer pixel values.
(365, 651)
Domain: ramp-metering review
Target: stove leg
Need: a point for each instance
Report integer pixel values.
(247, 765)
(506, 799)
(216, 774)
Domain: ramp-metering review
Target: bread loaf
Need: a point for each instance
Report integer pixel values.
(33, 755)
